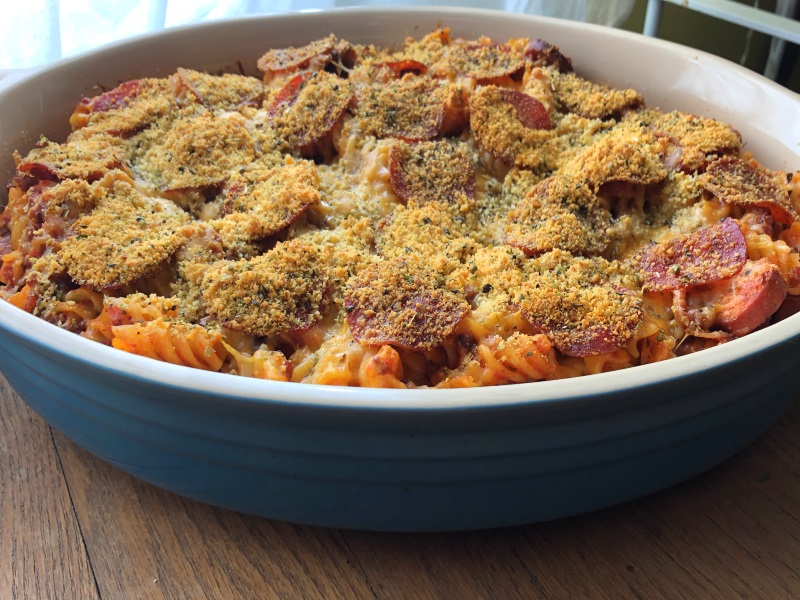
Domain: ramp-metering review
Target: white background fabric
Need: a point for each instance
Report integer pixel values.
(36, 32)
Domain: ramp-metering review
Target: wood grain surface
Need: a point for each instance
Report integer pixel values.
(73, 527)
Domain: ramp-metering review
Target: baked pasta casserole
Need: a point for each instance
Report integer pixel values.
(445, 213)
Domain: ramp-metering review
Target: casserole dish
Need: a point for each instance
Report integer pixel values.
(407, 459)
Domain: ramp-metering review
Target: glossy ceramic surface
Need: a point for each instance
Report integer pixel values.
(408, 459)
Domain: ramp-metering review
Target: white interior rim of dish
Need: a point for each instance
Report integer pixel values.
(75, 347)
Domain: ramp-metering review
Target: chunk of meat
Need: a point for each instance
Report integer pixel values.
(506, 125)
(740, 304)
(558, 213)
(745, 183)
(323, 52)
(581, 320)
(401, 67)
(399, 303)
(703, 256)
(484, 61)
(542, 53)
(308, 108)
(431, 171)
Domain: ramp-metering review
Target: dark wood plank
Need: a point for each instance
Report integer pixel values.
(41, 549)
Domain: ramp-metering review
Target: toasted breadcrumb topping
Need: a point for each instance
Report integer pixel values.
(279, 291)
(628, 153)
(410, 108)
(196, 152)
(737, 181)
(86, 159)
(484, 61)
(432, 171)
(559, 212)
(578, 306)
(291, 58)
(126, 236)
(219, 92)
(590, 99)
(696, 137)
(497, 128)
(319, 105)
(127, 108)
(404, 304)
(260, 202)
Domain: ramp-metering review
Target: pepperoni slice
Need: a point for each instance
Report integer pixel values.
(750, 297)
(287, 95)
(427, 172)
(558, 213)
(541, 53)
(580, 319)
(411, 109)
(398, 303)
(530, 112)
(401, 67)
(736, 181)
(691, 140)
(309, 107)
(225, 92)
(593, 100)
(701, 257)
(485, 61)
(85, 159)
(325, 51)
(119, 97)
(129, 107)
(509, 125)
(273, 293)
(261, 202)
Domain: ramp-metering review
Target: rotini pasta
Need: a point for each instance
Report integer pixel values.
(447, 213)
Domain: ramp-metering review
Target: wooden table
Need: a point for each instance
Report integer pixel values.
(73, 527)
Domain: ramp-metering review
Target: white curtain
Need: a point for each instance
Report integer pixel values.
(36, 32)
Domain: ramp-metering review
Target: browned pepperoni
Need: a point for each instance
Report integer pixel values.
(309, 107)
(401, 67)
(120, 97)
(736, 181)
(410, 109)
(282, 60)
(88, 160)
(485, 61)
(226, 92)
(431, 171)
(530, 112)
(509, 125)
(703, 256)
(581, 321)
(287, 95)
(558, 213)
(399, 304)
(593, 100)
(542, 53)
(751, 297)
